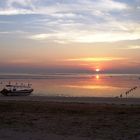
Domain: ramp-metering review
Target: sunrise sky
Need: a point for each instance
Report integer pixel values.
(69, 36)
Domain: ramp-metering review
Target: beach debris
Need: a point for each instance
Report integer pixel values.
(129, 91)
(126, 93)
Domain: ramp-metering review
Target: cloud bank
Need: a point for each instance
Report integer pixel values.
(75, 21)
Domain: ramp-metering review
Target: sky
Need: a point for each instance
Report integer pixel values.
(69, 36)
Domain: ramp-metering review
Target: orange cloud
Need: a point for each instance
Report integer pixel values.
(95, 59)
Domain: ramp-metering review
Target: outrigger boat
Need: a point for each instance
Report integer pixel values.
(17, 90)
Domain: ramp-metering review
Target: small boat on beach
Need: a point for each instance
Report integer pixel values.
(16, 90)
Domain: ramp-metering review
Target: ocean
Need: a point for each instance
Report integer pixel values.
(78, 85)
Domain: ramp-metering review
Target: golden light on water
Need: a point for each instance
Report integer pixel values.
(97, 77)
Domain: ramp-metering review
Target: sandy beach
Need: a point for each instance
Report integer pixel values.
(52, 118)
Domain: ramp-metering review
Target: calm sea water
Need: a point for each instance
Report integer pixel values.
(69, 85)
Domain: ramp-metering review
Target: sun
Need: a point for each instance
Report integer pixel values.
(97, 70)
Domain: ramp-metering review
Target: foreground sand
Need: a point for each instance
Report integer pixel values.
(53, 120)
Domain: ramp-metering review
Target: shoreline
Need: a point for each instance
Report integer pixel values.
(94, 100)
(47, 119)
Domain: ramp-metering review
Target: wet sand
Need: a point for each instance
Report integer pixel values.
(32, 118)
(98, 100)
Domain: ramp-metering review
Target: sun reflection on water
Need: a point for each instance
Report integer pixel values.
(97, 77)
(98, 85)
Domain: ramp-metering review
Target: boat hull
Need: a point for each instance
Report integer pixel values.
(6, 92)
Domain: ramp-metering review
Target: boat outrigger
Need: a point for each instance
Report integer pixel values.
(17, 90)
